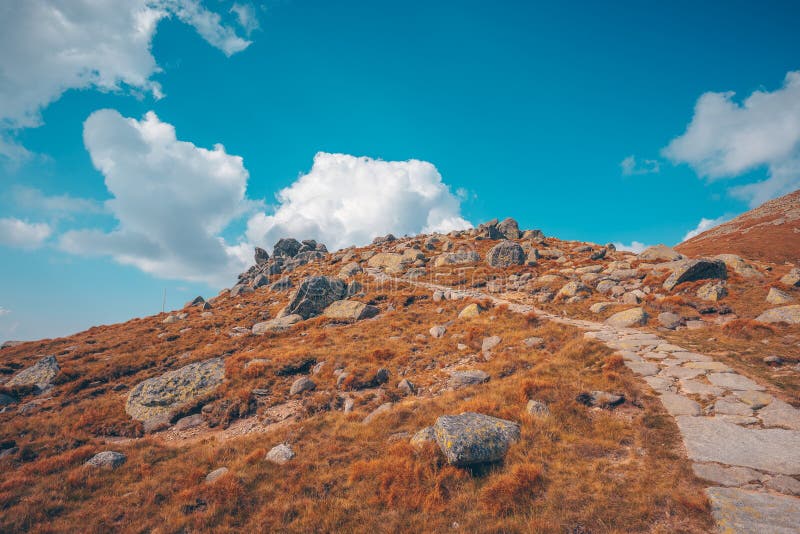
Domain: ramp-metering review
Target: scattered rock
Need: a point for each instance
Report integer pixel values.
(732, 261)
(712, 291)
(314, 294)
(698, 269)
(509, 228)
(286, 247)
(107, 460)
(572, 289)
(792, 278)
(660, 253)
(40, 374)
(389, 262)
(784, 314)
(600, 307)
(261, 256)
(426, 435)
(505, 254)
(470, 311)
(197, 301)
(459, 379)
(349, 270)
(162, 395)
(490, 342)
(670, 320)
(302, 384)
(473, 438)
(726, 476)
(437, 331)
(407, 386)
(276, 325)
(216, 474)
(280, 454)
(776, 296)
(601, 399)
(740, 510)
(456, 258)
(533, 342)
(350, 311)
(191, 421)
(628, 318)
(537, 408)
(383, 408)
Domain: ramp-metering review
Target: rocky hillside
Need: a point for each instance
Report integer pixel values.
(770, 232)
(492, 380)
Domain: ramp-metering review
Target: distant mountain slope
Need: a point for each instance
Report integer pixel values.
(770, 232)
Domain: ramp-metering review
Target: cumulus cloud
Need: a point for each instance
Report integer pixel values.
(632, 167)
(50, 46)
(635, 246)
(246, 16)
(346, 200)
(171, 200)
(703, 225)
(22, 234)
(726, 139)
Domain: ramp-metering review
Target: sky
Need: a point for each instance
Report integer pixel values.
(146, 146)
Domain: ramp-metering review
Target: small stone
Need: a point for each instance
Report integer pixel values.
(537, 408)
(302, 384)
(602, 399)
(773, 360)
(679, 405)
(280, 454)
(437, 331)
(490, 342)
(600, 307)
(426, 435)
(712, 291)
(107, 460)
(470, 311)
(383, 408)
(459, 379)
(776, 296)
(216, 474)
(628, 318)
(533, 342)
(407, 386)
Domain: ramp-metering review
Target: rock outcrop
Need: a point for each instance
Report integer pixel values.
(314, 294)
(473, 438)
(505, 254)
(699, 269)
(40, 375)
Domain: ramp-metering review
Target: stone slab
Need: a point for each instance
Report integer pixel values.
(744, 511)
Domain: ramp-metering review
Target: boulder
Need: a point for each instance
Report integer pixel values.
(573, 289)
(163, 395)
(602, 399)
(456, 258)
(459, 379)
(437, 331)
(738, 265)
(776, 296)
(488, 230)
(472, 438)
(349, 270)
(600, 307)
(628, 318)
(712, 291)
(216, 474)
(302, 384)
(382, 409)
(276, 325)
(280, 454)
(350, 311)
(699, 269)
(313, 295)
(381, 240)
(190, 421)
(353, 288)
(197, 301)
(533, 235)
(505, 254)
(261, 256)
(490, 342)
(426, 435)
(389, 262)
(792, 278)
(40, 374)
(537, 408)
(509, 228)
(784, 314)
(407, 386)
(670, 320)
(470, 311)
(106, 460)
(660, 253)
(286, 247)
(281, 284)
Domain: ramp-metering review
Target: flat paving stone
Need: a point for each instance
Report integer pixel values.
(682, 372)
(727, 476)
(643, 368)
(780, 414)
(784, 484)
(733, 381)
(691, 357)
(669, 347)
(755, 399)
(695, 387)
(731, 406)
(659, 383)
(679, 405)
(744, 511)
(655, 355)
(719, 367)
(708, 439)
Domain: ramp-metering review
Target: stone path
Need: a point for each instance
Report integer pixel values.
(744, 442)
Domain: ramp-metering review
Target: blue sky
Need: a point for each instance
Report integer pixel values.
(587, 121)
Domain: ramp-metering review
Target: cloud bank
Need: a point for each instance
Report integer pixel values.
(635, 246)
(50, 46)
(726, 139)
(171, 200)
(703, 225)
(346, 200)
(22, 234)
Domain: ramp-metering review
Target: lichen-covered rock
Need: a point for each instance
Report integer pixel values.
(437, 331)
(470, 311)
(351, 269)
(165, 394)
(314, 294)
(216, 474)
(784, 314)
(792, 278)
(459, 379)
(670, 320)
(456, 258)
(276, 325)
(572, 289)
(280, 454)
(776, 296)
(426, 435)
(738, 265)
(691, 270)
(628, 318)
(537, 408)
(509, 228)
(505, 254)
(473, 438)
(712, 291)
(40, 374)
(602, 399)
(659, 253)
(106, 460)
(302, 384)
(350, 311)
(286, 247)
(389, 262)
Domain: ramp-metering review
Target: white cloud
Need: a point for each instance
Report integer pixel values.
(4, 311)
(346, 200)
(50, 46)
(726, 139)
(631, 167)
(171, 199)
(33, 199)
(635, 246)
(246, 15)
(703, 225)
(22, 234)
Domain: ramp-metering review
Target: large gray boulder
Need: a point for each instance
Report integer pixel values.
(350, 311)
(315, 294)
(163, 395)
(40, 374)
(456, 258)
(473, 438)
(660, 253)
(278, 324)
(628, 318)
(261, 256)
(509, 228)
(699, 269)
(106, 460)
(505, 254)
(287, 247)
